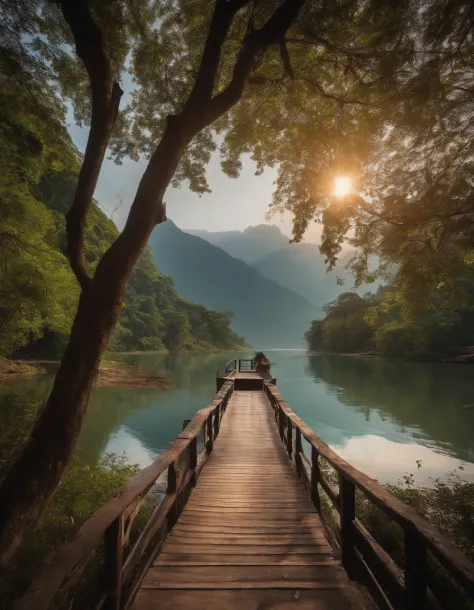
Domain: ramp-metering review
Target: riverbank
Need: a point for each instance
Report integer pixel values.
(112, 374)
(17, 369)
(462, 356)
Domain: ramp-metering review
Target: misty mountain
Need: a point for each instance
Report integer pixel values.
(249, 245)
(301, 268)
(298, 267)
(266, 314)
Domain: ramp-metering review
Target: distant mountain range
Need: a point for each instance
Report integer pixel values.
(267, 314)
(249, 245)
(299, 267)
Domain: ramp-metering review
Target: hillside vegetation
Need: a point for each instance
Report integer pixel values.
(38, 292)
(389, 325)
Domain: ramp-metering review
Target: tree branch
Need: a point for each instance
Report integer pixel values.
(254, 45)
(285, 58)
(221, 21)
(106, 94)
(337, 98)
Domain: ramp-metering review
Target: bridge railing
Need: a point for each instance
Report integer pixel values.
(108, 530)
(247, 365)
(414, 588)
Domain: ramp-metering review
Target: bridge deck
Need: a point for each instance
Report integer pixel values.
(249, 537)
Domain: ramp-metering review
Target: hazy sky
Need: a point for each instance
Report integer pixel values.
(233, 204)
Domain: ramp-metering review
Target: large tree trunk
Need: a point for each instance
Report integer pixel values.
(58, 426)
(34, 477)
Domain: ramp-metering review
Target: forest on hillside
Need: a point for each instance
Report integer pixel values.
(38, 291)
(385, 323)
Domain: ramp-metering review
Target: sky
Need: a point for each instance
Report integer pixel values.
(234, 204)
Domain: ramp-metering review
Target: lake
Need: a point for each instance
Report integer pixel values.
(382, 416)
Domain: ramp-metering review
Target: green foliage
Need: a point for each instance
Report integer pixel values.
(38, 292)
(382, 94)
(35, 282)
(448, 506)
(81, 492)
(389, 323)
(344, 328)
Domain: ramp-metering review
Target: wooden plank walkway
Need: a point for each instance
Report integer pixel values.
(249, 537)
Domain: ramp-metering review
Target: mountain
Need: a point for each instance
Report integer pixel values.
(298, 267)
(301, 268)
(266, 314)
(248, 245)
(154, 316)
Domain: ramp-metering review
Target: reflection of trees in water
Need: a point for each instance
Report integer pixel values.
(110, 407)
(428, 396)
(107, 410)
(195, 371)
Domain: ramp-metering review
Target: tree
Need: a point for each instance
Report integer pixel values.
(403, 132)
(344, 328)
(219, 83)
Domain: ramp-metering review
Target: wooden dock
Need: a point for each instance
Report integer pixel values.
(241, 526)
(243, 540)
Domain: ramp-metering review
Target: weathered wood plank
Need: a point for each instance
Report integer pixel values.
(269, 584)
(242, 573)
(250, 549)
(246, 528)
(210, 559)
(234, 599)
(250, 538)
(112, 577)
(149, 531)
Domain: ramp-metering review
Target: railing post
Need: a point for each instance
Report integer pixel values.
(281, 422)
(315, 478)
(113, 552)
(298, 450)
(416, 573)
(289, 436)
(216, 420)
(193, 460)
(274, 407)
(347, 513)
(209, 442)
(172, 488)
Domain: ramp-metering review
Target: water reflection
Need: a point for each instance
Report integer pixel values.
(424, 401)
(141, 423)
(379, 415)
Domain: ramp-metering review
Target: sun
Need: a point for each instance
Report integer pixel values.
(342, 186)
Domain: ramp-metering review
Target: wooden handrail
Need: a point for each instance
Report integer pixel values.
(108, 522)
(420, 535)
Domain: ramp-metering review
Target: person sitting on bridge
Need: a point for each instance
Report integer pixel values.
(262, 364)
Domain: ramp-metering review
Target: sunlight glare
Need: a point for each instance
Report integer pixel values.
(342, 186)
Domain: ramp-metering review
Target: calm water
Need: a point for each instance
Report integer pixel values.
(381, 416)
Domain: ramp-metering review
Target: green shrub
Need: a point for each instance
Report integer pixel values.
(82, 491)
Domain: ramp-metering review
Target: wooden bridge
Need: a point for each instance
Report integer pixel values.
(250, 522)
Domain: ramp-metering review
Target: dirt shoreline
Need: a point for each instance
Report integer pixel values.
(17, 369)
(129, 378)
(111, 374)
